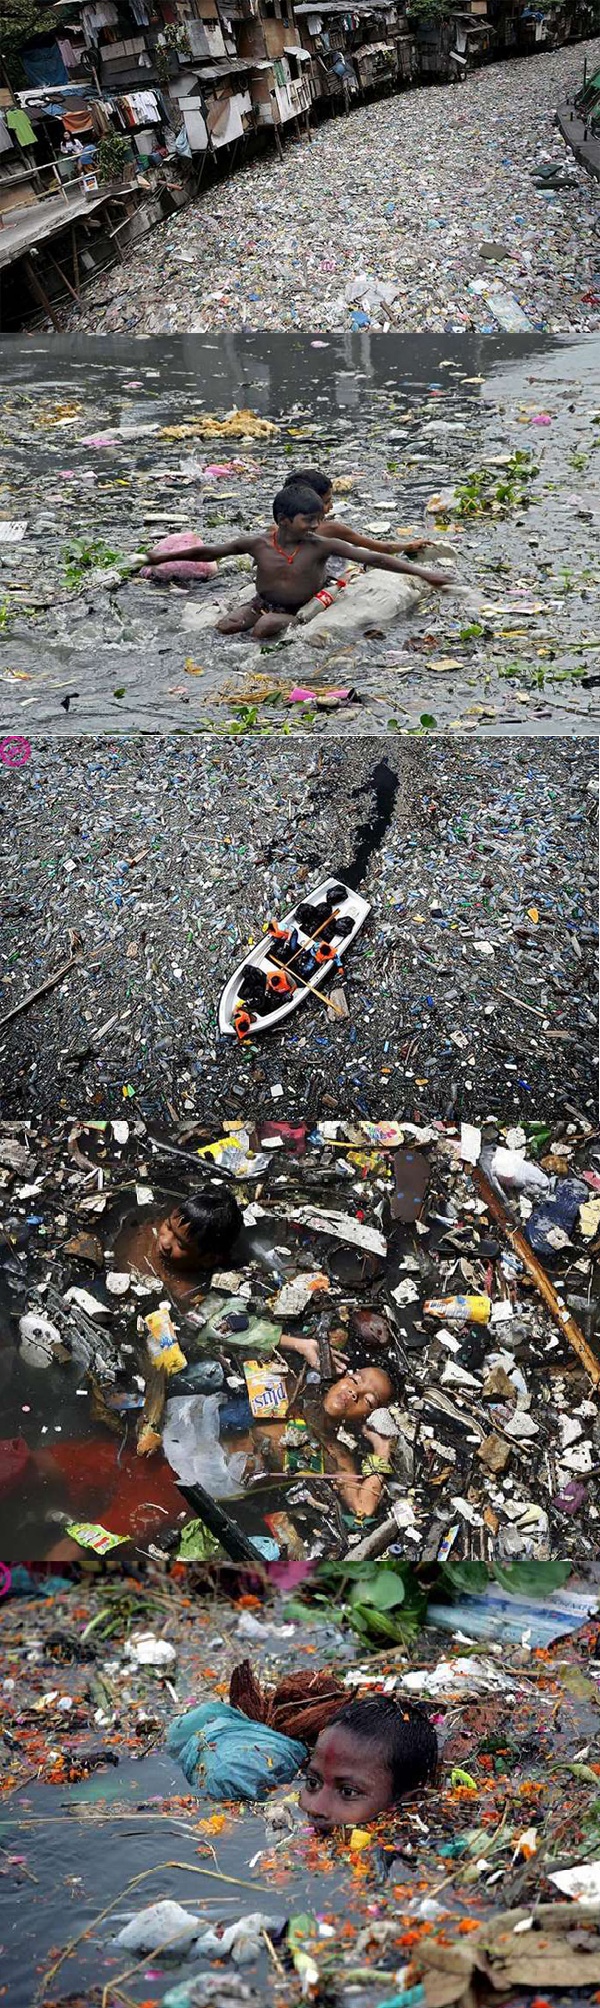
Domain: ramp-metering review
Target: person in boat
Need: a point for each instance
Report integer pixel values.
(367, 1759)
(291, 562)
(313, 477)
(184, 1245)
(262, 991)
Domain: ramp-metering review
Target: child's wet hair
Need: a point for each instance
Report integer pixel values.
(297, 499)
(311, 477)
(213, 1219)
(404, 1729)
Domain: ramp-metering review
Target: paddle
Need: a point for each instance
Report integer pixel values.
(327, 1002)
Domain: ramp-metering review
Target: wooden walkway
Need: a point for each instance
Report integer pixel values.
(580, 139)
(44, 220)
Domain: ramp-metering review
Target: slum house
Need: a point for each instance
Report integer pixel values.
(368, 48)
(551, 23)
(124, 108)
(453, 40)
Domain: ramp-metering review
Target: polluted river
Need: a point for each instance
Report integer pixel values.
(137, 878)
(485, 448)
(125, 1881)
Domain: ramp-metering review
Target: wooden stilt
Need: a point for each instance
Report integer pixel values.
(76, 278)
(62, 275)
(38, 292)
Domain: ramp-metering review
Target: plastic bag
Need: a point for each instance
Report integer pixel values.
(242, 1941)
(199, 1377)
(512, 1168)
(226, 1990)
(176, 562)
(39, 1339)
(161, 1924)
(231, 1323)
(191, 1445)
(226, 1756)
(551, 1224)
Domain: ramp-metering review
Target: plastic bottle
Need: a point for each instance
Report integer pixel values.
(460, 1310)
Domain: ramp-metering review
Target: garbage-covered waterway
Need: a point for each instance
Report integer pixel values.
(98, 1822)
(487, 444)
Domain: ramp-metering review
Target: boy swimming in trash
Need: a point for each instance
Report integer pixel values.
(197, 1236)
(366, 1760)
(357, 1392)
(312, 477)
(291, 561)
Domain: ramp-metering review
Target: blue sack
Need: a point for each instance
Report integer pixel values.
(226, 1756)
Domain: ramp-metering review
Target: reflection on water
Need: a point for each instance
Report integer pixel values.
(80, 1853)
(267, 371)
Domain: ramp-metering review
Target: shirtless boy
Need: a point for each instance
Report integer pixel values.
(311, 477)
(291, 561)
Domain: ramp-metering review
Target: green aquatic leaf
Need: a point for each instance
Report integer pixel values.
(467, 1578)
(197, 1544)
(384, 1591)
(532, 1579)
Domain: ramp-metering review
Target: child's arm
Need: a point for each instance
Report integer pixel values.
(410, 545)
(384, 564)
(200, 551)
(363, 1495)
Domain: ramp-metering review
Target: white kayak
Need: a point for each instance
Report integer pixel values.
(294, 957)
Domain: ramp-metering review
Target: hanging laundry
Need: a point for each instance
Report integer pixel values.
(71, 57)
(78, 122)
(19, 123)
(224, 122)
(103, 14)
(142, 107)
(195, 125)
(5, 138)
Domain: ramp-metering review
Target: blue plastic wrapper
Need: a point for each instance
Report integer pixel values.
(226, 1756)
(560, 1210)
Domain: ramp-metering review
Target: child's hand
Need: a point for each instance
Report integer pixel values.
(413, 548)
(440, 579)
(381, 1445)
(307, 1347)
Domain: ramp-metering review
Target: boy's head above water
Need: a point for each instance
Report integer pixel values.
(311, 477)
(297, 511)
(373, 1752)
(200, 1231)
(357, 1393)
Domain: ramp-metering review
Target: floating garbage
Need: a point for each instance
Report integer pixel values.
(161, 1927)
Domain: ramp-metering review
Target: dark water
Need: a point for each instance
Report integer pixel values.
(78, 1849)
(383, 787)
(269, 372)
(80, 1856)
(405, 413)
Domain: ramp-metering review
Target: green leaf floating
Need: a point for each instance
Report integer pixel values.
(532, 1579)
(385, 1591)
(470, 1578)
